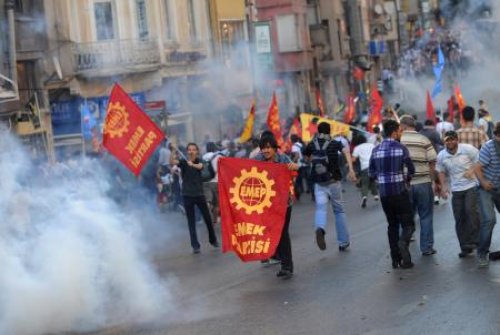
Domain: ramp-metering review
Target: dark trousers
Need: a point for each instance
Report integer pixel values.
(284, 249)
(201, 203)
(299, 182)
(367, 184)
(465, 206)
(398, 211)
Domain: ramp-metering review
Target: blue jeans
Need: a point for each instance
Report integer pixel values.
(422, 201)
(487, 203)
(334, 192)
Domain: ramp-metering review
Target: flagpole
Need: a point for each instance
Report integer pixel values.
(181, 154)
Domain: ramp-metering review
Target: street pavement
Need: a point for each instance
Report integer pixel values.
(354, 292)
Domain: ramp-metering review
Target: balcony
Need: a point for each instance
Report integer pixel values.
(101, 59)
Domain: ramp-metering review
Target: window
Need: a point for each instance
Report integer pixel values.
(289, 38)
(192, 20)
(169, 18)
(103, 12)
(142, 19)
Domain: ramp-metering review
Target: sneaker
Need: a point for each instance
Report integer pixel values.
(320, 239)
(196, 251)
(376, 198)
(215, 245)
(344, 247)
(284, 274)
(429, 252)
(363, 202)
(482, 261)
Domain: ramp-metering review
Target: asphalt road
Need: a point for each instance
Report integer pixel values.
(355, 292)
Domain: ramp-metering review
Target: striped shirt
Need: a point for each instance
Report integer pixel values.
(472, 136)
(387, 165)
(422, 153)
(490, 162)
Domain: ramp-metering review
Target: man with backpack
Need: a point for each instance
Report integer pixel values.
(323, 153)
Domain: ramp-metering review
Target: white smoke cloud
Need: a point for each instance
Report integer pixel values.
(477, 75)
(71, 259)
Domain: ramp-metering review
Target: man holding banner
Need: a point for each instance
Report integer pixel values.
(256, 206)
(193, 195)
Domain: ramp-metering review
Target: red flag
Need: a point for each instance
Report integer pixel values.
(319, 102)
(128, 133)
(350, 113)
(358, 73)
(376, 104)
(461, 103)
(253, 202)
(273, 122)
(430, 113)
(451, 109)
(460, 99)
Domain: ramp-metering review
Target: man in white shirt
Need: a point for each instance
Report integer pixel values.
(455, 165)
(211, 188)
(443, 126)
(164, 154)
(363, 153)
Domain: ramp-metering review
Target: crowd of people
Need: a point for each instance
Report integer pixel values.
(405, 165)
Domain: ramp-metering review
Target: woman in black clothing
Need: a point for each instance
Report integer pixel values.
(192, 193)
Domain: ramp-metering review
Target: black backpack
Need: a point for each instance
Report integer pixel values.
(489, 130)
(320, 172)
(208, 172)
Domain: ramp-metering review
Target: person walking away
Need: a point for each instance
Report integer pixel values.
(455, 166)
(363, 152)
(387, 164)
(269, 153)
(484, 123)
(430, 132)
(488, 172)
(469, 133)
(192, 192)
(323, 152)
(210, 188)
(298, 158)
(423, 156)
(443, 126)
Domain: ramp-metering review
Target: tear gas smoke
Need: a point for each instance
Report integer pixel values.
(71, 259)
(476, 76)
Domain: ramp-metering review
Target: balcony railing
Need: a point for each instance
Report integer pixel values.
(118, 56)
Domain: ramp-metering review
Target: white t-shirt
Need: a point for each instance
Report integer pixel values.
(207, 157)
(363, 152)
(443, 127)
(456, 165)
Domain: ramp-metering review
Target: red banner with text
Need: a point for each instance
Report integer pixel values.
(253, 201)
(129, 134)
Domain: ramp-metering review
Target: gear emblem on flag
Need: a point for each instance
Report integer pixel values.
(252, 191)
(117, 120)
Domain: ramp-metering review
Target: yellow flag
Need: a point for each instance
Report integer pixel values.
(248, 130)
(310, 126)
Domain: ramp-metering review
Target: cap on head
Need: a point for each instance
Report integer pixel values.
(450, 134)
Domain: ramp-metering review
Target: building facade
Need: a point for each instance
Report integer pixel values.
(292, 56)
